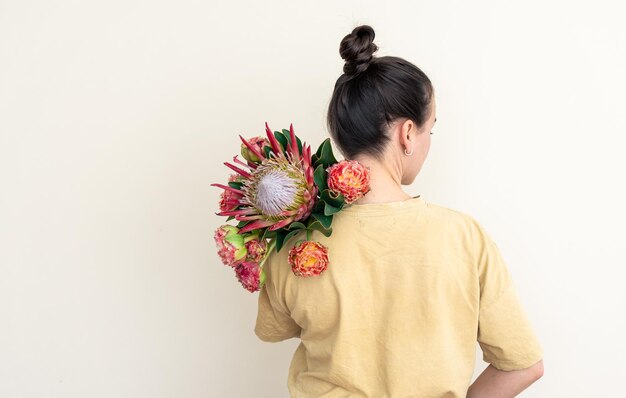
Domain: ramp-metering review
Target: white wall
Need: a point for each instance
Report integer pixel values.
(116, 116)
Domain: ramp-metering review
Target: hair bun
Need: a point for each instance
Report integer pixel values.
(357, 49)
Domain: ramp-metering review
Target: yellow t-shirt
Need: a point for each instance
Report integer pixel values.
(410, 288)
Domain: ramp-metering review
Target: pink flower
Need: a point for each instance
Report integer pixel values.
(349, 178)
(308, 258)
(256, 249)
(258, 142)
(234, 177)
(277, 191)
(230, 245)
(250, 275)
(229, 200)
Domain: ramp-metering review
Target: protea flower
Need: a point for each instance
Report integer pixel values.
(250, 275)
(230, 245)
(349, 178)
(308, 258)
(279, 190)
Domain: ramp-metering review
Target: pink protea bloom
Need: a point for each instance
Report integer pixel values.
(349, 178)
(250, 275)
(230, 245)
(256, 249)
(308, 258)
(277, 191)
(258, 142)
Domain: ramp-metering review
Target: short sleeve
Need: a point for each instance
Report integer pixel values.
(273, 322)
(505, 334)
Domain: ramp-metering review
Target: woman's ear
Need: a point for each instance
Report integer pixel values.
(406, 128)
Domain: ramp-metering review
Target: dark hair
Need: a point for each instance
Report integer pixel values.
(372, 93)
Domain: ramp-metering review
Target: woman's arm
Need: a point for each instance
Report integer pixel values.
(495, 383)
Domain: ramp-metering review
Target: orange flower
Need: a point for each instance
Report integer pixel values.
(308, 258)
(349, 178)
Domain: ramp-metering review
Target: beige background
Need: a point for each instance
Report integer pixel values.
(115, 116)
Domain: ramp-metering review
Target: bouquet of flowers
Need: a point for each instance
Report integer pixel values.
(279, 191)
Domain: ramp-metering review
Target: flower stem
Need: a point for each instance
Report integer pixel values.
(270, 247)
(308, 234)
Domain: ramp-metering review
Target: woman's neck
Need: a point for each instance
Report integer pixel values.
(385, 183)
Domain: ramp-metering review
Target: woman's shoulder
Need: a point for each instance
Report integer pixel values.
(450, 213)
(459, 221)
(417, 211)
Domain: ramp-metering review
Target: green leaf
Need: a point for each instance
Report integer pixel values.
(267, 150)
(267, 234)
(296, 225)
(320, 176)
(318, 153)
(317, 226)
(291, 235)
(314, 160)
(318, 207)
(235, 184)
(242, 224)
(284, 236)
(282, 140)
(229, 218)
(330, 209)
(336, 200)
(325, 154)
(288, 137)
(323, 219)
(299, 144)
(280, 237)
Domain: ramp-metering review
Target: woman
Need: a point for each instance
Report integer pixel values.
(413, 285)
